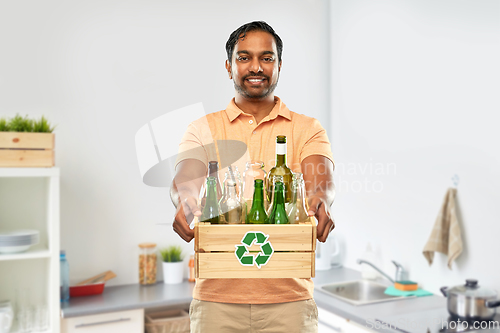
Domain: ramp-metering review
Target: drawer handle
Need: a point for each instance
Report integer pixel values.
(103, 322)
(335, 328)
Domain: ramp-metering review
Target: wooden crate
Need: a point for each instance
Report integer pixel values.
(20, 149)
(216, 249)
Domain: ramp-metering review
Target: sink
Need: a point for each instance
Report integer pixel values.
(359, 292)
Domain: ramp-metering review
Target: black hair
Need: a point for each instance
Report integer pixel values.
(241, 32)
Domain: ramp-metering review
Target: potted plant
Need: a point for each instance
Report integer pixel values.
(26, 142)
(173, 266)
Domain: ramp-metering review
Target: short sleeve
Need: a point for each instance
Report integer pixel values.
(316, 143)
(191, 146)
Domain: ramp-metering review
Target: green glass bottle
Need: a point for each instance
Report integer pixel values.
(280, 169)
(211, 211)
(257, 214)
(278, 212)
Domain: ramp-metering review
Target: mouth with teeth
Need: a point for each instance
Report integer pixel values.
(255, 81)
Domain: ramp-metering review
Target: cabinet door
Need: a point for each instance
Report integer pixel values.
(329, 322)
(114, 322)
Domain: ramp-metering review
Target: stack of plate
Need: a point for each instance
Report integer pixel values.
(18, 240)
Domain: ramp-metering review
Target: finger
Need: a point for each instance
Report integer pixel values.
(183, 230)
(314, 206)
(323, 219)
(181, 226)
(191, 206)
(329, 227)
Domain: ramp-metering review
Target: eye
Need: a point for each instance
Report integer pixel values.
(268, 59)
(242, 58)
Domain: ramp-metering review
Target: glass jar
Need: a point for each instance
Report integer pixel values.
(147, 263)
(254, 170)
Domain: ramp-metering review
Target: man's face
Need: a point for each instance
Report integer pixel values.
(255, 67)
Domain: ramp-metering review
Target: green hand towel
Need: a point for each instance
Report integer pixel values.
(396, 292)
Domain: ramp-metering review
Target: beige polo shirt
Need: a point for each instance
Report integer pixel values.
(233, 137)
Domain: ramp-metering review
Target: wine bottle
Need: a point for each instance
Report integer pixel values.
(278, 212)
(280, 169)
(210, 212)
(257, 214)
(213, 171)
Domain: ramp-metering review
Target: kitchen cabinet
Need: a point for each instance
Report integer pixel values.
(29, 199)
(131, 321)
(329, 322)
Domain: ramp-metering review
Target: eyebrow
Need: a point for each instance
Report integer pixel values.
(263, 53)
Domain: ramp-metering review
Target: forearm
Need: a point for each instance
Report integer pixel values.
(318, 178)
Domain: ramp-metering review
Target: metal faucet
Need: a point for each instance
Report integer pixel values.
(401, 274)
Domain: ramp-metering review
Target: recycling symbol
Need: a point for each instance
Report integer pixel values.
(247, 259)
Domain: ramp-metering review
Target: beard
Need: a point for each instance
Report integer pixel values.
(247, 93)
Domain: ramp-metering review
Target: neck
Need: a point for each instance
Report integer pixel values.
(258, 108)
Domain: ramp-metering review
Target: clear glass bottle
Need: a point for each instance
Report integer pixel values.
(64, 283)
(278, 212)
(297, 209)
(272, 180)
(213, 171)
(233, 174)
(230, 206)
(254, 170)
(147, 263)
(257, 214)
(211, 212)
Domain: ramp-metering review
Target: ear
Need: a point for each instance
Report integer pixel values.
(228, 68)
(279, 66)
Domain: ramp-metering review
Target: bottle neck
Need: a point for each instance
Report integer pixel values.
(213, 169)
(230, 191)
(258, 195)
(279, 198)
(211, 189)
(280, 154)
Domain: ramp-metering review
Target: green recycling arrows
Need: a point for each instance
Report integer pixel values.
(247, 259)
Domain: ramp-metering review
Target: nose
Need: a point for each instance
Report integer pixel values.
(255, 66)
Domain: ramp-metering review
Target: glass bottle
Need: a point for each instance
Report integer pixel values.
(278, 212)
(64, 283)
(210, 212)
(147, 263)
(254, 170)
(257, 214)
(230, 206)
(281, 169)
(234, 175)
(273, 181)
(213, 171)
(297, 209)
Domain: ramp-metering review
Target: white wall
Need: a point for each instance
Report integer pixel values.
(415, 99)
(102, 69)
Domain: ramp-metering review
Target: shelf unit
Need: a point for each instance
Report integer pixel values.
(29, 199)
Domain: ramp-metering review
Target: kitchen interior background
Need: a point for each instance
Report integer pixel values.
(407, 90)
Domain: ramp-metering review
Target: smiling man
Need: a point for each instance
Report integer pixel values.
(254, 117)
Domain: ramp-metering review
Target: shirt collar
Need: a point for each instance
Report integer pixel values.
(280, 109)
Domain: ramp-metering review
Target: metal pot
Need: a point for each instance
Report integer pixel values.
(471, 302)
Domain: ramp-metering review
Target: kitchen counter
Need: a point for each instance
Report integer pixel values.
(415, 315)
(129, 297)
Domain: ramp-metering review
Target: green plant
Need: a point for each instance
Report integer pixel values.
(3, 125)
(172, 253)
(24, 124)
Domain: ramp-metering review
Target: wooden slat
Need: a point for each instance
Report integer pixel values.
(313, 264)
(22, 140)
(26, 158)
(281, 265)
(293, 237)
(314, 233)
